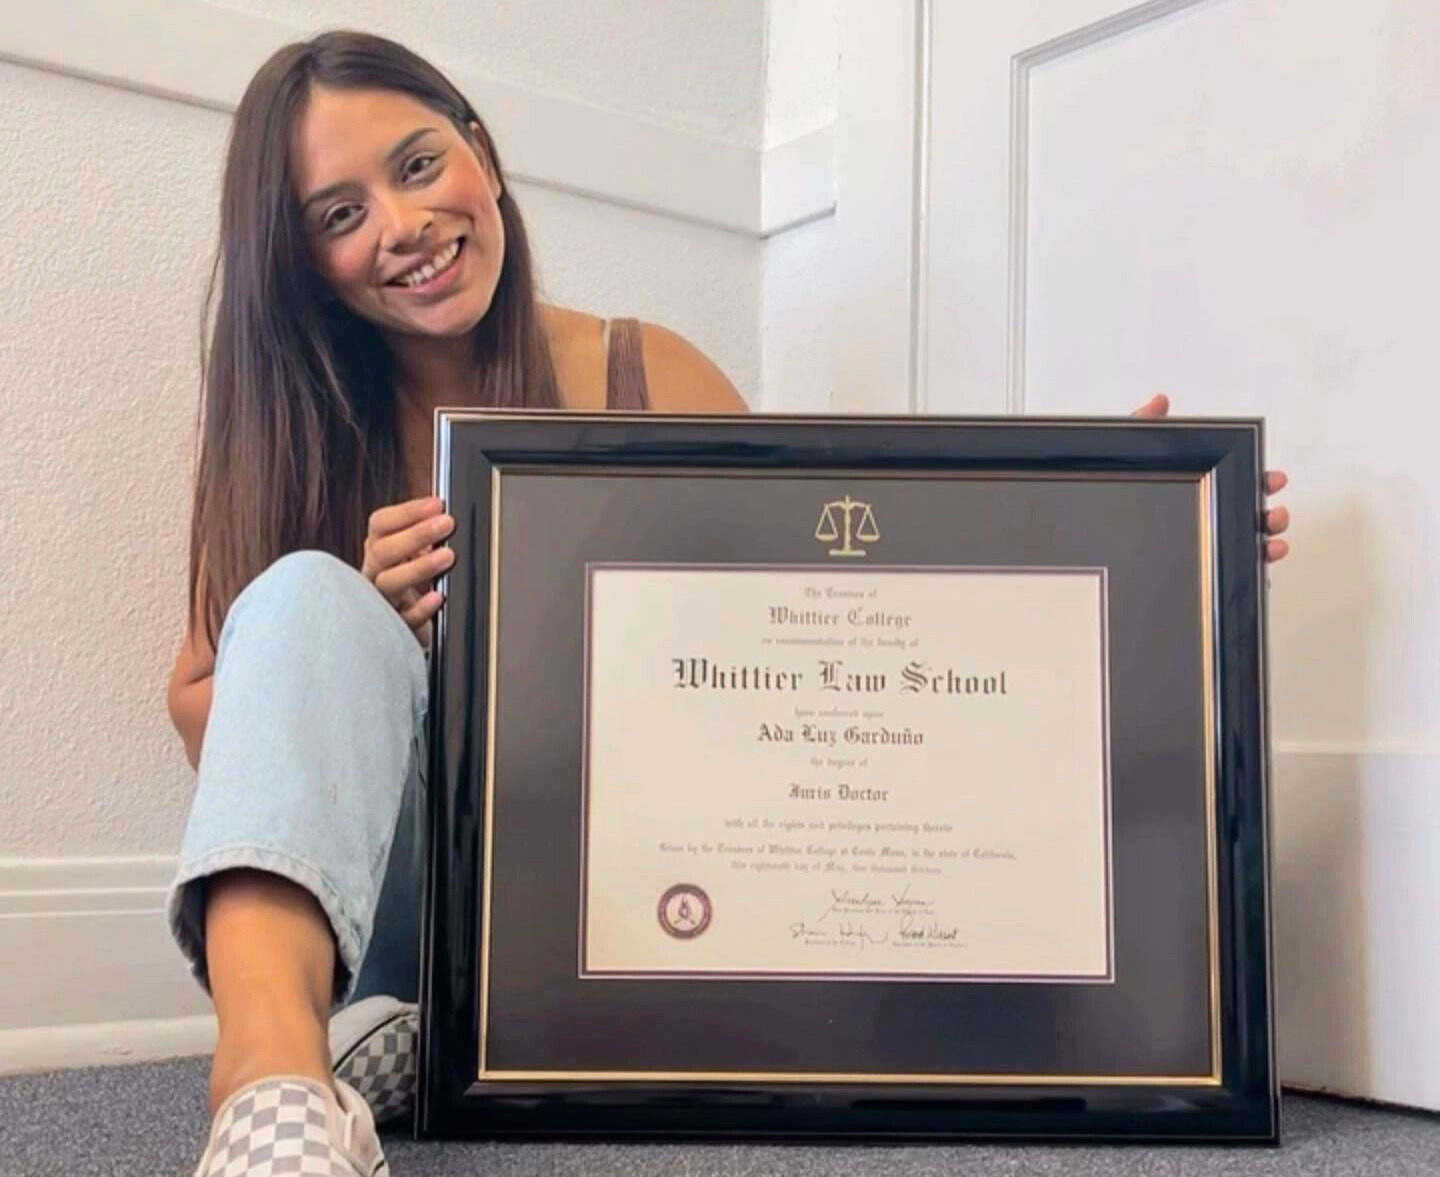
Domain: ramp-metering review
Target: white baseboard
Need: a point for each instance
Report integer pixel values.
(90, 972)
(99, 1044)
(91, 975)
(203, 54)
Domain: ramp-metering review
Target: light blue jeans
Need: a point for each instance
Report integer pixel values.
(313, 768)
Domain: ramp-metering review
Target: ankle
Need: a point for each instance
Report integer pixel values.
(258, 1048)
(229, 1076)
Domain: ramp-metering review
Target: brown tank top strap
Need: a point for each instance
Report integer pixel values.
(625, 366)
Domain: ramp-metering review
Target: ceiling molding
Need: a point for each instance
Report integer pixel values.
(203, 55)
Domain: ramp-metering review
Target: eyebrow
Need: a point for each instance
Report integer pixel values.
(390, 157)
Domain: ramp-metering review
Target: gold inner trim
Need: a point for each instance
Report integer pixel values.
(820, 473)
(841, 1078)
(1204, 484)
(1206, 501)
(490, 758)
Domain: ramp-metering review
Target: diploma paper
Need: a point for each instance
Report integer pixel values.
(802, 772)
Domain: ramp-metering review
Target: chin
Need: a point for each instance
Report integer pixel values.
(457, 329)
(452, 324)
(450, 319)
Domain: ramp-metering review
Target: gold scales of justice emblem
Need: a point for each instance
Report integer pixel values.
(837, 520)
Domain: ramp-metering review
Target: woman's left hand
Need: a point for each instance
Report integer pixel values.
(1276, 520)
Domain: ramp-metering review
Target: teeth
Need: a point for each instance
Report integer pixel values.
(436, 265)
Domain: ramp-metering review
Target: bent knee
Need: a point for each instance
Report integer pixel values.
(308, 575)
(309, 567)
(311, 583)
(311, 596)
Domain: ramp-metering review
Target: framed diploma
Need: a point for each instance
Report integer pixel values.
(835, 777)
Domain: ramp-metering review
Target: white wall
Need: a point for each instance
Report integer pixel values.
(113, 141)
(113, 197)
(102, 280)
(836, 291)
(1229, 200)
(696, 66)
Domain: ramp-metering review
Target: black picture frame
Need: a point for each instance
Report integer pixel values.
(1220, 461)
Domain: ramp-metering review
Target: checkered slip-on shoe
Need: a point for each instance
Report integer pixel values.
(372, 1048)
(292, 1125)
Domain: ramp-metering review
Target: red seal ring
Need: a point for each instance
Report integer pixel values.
(684, 911)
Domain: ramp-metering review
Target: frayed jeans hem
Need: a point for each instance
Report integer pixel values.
(185, 910)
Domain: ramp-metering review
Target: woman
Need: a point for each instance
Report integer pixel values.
(373, 265)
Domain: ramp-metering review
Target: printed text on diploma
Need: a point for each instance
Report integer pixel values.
(832, 675)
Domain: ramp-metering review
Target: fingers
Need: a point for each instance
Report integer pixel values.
(422, 611)
(402, 559)
(401, 547)
(1157, 406)
(1276, 520)
(414, 574)
(388, 520)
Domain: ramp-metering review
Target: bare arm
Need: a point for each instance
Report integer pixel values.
(683, 379)
(188, 696)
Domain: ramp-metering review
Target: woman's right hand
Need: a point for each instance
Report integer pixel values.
(402, 559)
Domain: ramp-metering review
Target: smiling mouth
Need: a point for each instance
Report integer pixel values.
(443, 260)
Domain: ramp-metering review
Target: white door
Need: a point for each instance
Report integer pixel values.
(1235, 201)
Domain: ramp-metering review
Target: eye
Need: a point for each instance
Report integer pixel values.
(418, 165)
(339, 217)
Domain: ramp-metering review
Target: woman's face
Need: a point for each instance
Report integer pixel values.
(401, 213)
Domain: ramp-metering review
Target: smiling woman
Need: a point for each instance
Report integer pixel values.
(402, 210)
(373, 265)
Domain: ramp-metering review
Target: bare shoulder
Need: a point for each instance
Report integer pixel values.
(682, 378)
(568, 328)
(577, 349)
(679, 376)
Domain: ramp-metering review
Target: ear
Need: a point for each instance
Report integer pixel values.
(478, 141)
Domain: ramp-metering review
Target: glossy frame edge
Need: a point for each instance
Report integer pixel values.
(1243, 1108)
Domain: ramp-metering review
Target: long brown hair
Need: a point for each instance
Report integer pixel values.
(297, 438)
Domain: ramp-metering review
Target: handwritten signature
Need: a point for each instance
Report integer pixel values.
(845, 930)
(874, 919)
(933, 932)
(908, 930)
(848, 903)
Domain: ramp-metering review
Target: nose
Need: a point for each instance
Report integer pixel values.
(404, 225)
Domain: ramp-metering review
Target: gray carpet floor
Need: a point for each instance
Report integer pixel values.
(151, 1119)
